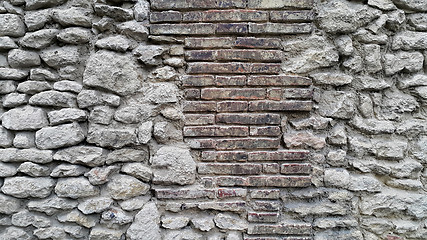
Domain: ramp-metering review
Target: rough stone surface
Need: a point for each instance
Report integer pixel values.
(11, 25)
(145, 224)
(122, 187)
(59, 136)
(75, 188)
(85, 155)
(25, 118)
(23, 187)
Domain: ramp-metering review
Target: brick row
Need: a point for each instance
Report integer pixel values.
(279, 155)
(266, 217)
(297, 93)
(284, 229)
(279, 80)
(216, 131)
(233, 93)
(228, 42)
(295, 169)
(267, 105)
(230, 168)
(267, 206)
(265, 194)
(241, 106)
(231, 192)
(230, 28)
(200, 193)
(240, 15)
(225, 4)
(245, 237)
(199, 119)
(278, 4)
(267, 80)
(236, 206)
(264, 181)
(234, 143)
(232, 68)
(234, 55)
(249, 118)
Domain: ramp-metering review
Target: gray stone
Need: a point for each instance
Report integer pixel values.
(144, 131)
(173, 165)
(74, 16)
(336, 177)
(114, 43)
(360, 145)
(337, 104)
(366, 105)
(122, 187)
(24, 187)
(68, 86)
(35, 20)
(9, 205)
(406, 184)
(18, 58)
(77, 217)
(340, 235)
(100, 175)
(51, 205)
(146, 224)
(25, 118)
(390, 149)
(7, 87)
(408, 61)
(204, 224)
(14, 233)
(304, 140)
(395, 19)
(116, 216)
(33, 87)
(75, 188)
(334, 79)
(421, 91)
(337, 158)
(34, 170)
(51, 233)
(115, 72)
(366, 183)
(24, 140)
(172, 222)
(6, 137)
(108, 136)
(24, 219)
(7, 170)
(3, 61)
(59, 136)
(418, 20)
(127, 155)
(11, 25)
(370, 83)
(40, 74)
(14, 99)
(414, 81)
(132, 114)
(7, 43)
(95, 205)
(74, 35)
(60, 57)
(315, 122)
(372, 58)
(141, 10)
(105, 24)
(365, 36)
(72, 73)
(90, 98)
(36, 4)
(39, 39)
(413, 127)
(372, 126)
(183, 234)
(163, 74)
(344, 17)
(117, 13)
(175, 62)
(12, 74)
(149, 54)
(409, 40)
(76, 231)
(317, 208)
(134, 30)
(166, 132)
(230, 221)
(66, 115)
(101, 115)
(160, 93)
(172, 113)
(382, 4)
(407, 169)
(134, 203)
(138, 170)
(100, 233)
(416, 5)
(25, 155)
(68, 170)
(394, 103)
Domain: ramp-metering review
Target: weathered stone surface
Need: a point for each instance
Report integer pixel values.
(115, 216)
(68, 170)
(25, 118)
(24, 140)
(166, 133)
(53, 99)
(173, 165)
(9, 205)
(112, 71)
(7, 87)
(416, 80)
(24, 219)
(149, 54)
(95, 205)
(182, 234)
(6, 137)
(391, 149)
(60, 57)
(409, 40)
(59, 136)
(337, 104)
(39, 39)
(230, 222)
(33, 87)
(66, 115)
(7, 43)
(160, 93)
(369, 83)
(68, 86)
(138, 170)
(364, 183)
(334, 79)
(14, 99)
(34, 170)
(418, 20)
(122, 187)
(40, 74)
(50, 233)
(372, 126)
(372, 58)
(178, 222)
(408, 61)
(163, 74)
(303, 140)
(74, 35)
(99, 233)
(382, 4)
(132, 114)
(14, 233)
(77, 217)
(85, 155)
(35, 20)
(337, 177)
(145, 224)
(18, 58)
(11, 25)
(105, 136)
(90, 98)
(12, 74)
(394, 103)
(203, 223)
(7, 170)
(134, 30)
(319, 208)
(144, 132)
(36, 4)
(25, 155)
(134, 203)
(74, 16)
(78, 187)
(24, 187)
(114, 43)
(411, 4)
(127, 155)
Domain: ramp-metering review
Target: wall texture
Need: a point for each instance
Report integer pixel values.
(213, 119)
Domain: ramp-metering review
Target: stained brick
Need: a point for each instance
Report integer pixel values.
(276, 238)
(224, 156)
(248, 118)
(297, 93)
(262, 43)
(229, 168)
(197, 4)
(168, 16)
(266, 217)
(233, 93)
(233, 68)
(283, 155)
(234, 28)
(201, 55)
(265, 194)
(281, 80)
(279, 181)
(218, 131)
(192, 93)
(295, 168)
(231, 192)
(285, 229)
(199, 106)
(268, 206)
(292, 16)
(237, 206)
(198, 80)
(184, 193)
(271, 131)
(279, 105)
(199, 119)
(280, 28)
(226, 16)
(270, 168)
(250, 55)
(182, 29)
(223, 42)
(232, 106)
(275, 94)
(205, 131)
(230, 80)
(273, 4)
(247, 143)
(201, 143)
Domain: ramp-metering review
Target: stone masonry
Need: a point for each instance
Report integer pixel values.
(213, 119)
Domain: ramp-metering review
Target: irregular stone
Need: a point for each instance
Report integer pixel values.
(6, 137)
(100, 233)
(337, 158)
(36, 4)
(360, 145)
(304, 139)
(340, 234)
(370, 83)
(105, 24)
(66, 115)
(165, 133)
(366, 105)
(382, 4)
(40, 74)
(122, 187)
(175, 62)
(24, 187)
(127, 155)
(134, 30)
(138, 170)
(14, 100)
(344, 17)
(394, 103)
(59, 136)
(173, 165)
(315, 122)
(418, 20)
(334, 79)
(106, 136)
(145, 224)
(408, 61)
(72, 73)
(7, 170)
(336, 177)
(51, 205)
(365, 36)
(372, 126)
(416, 80)
(117, 13)
(7, 43)
(409, 40)
(74, 35)
(172, 113)
(395, 19)
(100, 175)
(68, 86)
(407, 169)
(95, 205)
(25, 118)
(18, 58)
(144, 131)
(114, 43)
(12, 74)
(7, 87)
(90, 98)
(77, 217)
(344, 45)
(112, 71)
(171, 222)
(34, 170)
(39, 39)
(354, 63)
(182, 234)
(85, 155)
(14, 233)
(391, 149)
(50, 233)
(412, 127)
(33, 87)
(406, 184)
(101, 115)
(25, 155)
(318, 208)
(203, 223)
(337, 104)
(116, 216)
(364, 183)
(163, 74)
(60, 57)
(378, 24)
(372, 58)
(11, 25)
(149, 54)
(141, 10)
(9, 205)
(78, 187)
(132, 114)
(134, 203)
(160, 93)
(24, 219)
(76, 231)
(68, 170)
(230, 222)
(73, 16)
(24, 140)
(411, 4)
(35, 20)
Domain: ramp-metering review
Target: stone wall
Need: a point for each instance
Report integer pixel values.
(213, 119)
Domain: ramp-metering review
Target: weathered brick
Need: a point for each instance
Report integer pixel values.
(233, 68)
(281, 80)
(226, 16)
(199, 119)
(275, 94)
(230, 80)
(201, 143)
(247, 143)
(236, 206)
(198, 80)
(282, 155)
(273, 4)
(230, 181)
(233, 93)
(229, 168)
(184, 193)
(168, 16)
(285, 229)
(292, 16)
(297, 93)
(279, 105)
(197, 4)
(267, 206)
(279, 181)
(248, 118)
(249, 55)
(271, 131)
(295, 168)
(192, 93)
(280, 28)
(204, 131)
(199, 106)
(222, 156)
(232, 106)
(182, 29)
(270, 168)
(245, 237)
(218, 131)
(231, 192)
(265, 194)
(233, 28)
(197, 43)
(201, 55)
(263, 43)
(266, 217)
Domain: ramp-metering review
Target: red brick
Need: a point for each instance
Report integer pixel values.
(231, 131)
(281, 80)
(201, 143)
(232, 106)
(278, 4)
(197, 4)
(199, 106)
(268, 206)
(271, 131)
(226, 16)
(182, 29)
(169, 16)
(230, 80)
(201, 55)
(184, 193)
(295, 168)
(270, 168)
(229, 168)
(265, 194)
(197, 43)
(275, 94)
(198, 80)
(279, 181)
(263, 43)
(233, 93)
(280, 28)
(247, 143)
(249, 55)
(297, 93)
(233, 68)
(222, 156)
(282, 155)
(266, 217)
(279, 105)
(235, 206)
(199, 119)
(231, 192)
(230, 181)
(292, 16)
(192, 93)
(285, 229)
(199, 131)
(248, 118)
(234, 28)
